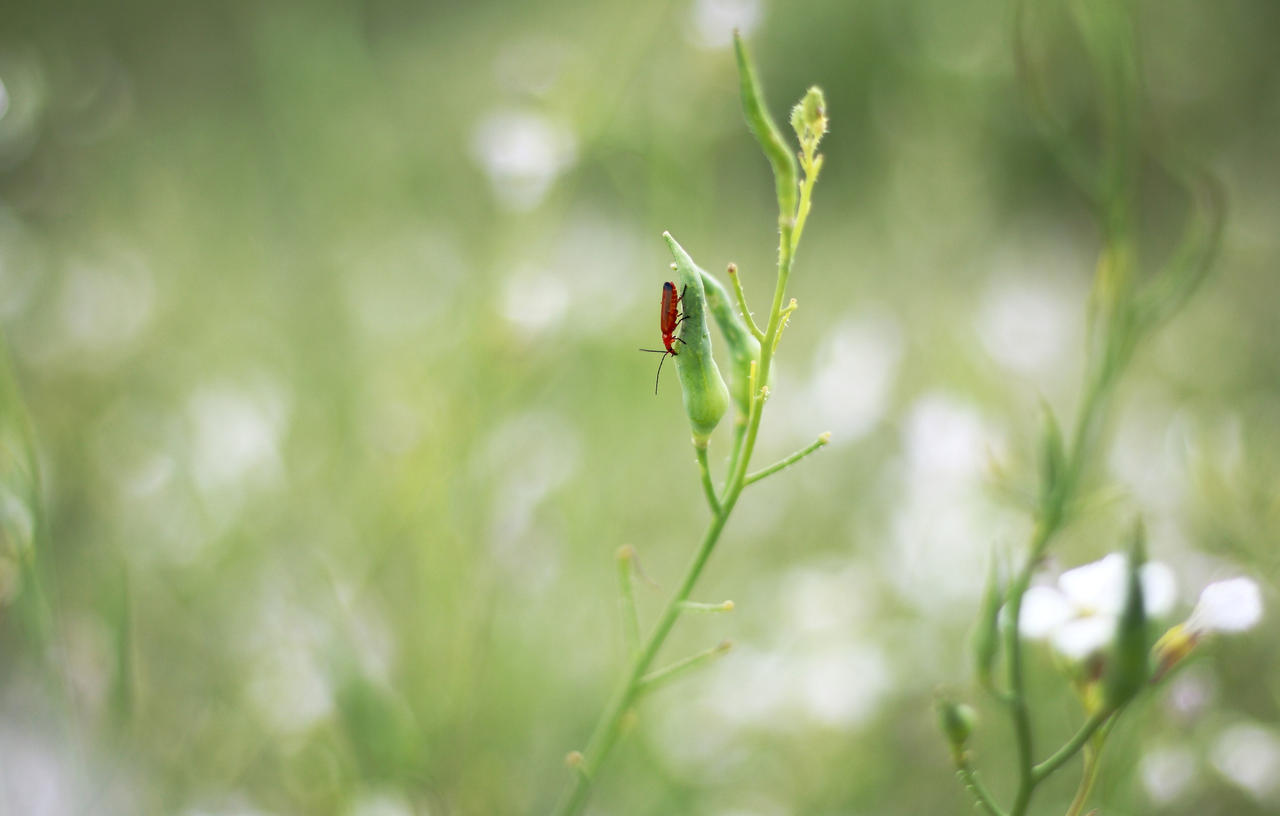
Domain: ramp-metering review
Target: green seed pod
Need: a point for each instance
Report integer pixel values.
(781, 158)
(986, 638)
(1127, 668)
(705, 395)
(743, 346)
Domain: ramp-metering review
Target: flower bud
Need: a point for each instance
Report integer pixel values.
(705, 395)
(744, 348)
(1233, 605)
(1171, 649)
(956, 721)
(809, 117)
(1127, 668)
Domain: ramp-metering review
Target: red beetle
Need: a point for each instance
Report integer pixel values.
(667, 322)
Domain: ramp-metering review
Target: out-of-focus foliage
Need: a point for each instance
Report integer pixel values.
(325, 314)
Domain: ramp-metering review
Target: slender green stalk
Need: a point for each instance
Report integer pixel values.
(790, 460)
(704, 471)
(630, 615)
(637, 677)
(741, 297)
(1052, 131)
(1120, 313)
(1052, 517)
(785, 318)
(666, 674)
(1073, 745)
(739, 434)
(1018, 708)
(980, 793)
(609, 727)
(1092, 762)
(698, 606)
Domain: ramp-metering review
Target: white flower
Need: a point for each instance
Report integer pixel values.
(1079, 615)
(1233, 605)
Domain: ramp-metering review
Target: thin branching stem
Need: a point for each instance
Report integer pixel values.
(789, 461)
(1092, 761)
(666, 674)
(1072, 746)
(980, 793)
(610, 724)
(741, 297)
(739, 434)
(626, 584)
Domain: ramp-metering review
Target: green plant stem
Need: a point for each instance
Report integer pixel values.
(1054, 133)
(783, 163)
(739, 434)
(696, 606)
(666, 674)
(741, 297)
(704, 469)
(1047, 525)
(971, 781)
(1018, 708)
(789, 461)
(806, 193)
(1092, 757)
(609, 726)
(1072, 746)
(631, 617)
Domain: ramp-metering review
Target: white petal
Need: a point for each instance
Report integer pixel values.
(1044, 609)
(1233, 605)
(1159, 588)
(1096, 587)
(1079, 638)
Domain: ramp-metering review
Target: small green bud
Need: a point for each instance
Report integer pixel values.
(1128, 669)
(706, 397)
(743, 346)
(986, 638)
(957, 721)
(809, 117)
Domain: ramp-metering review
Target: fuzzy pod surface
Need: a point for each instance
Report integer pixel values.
(743, 347)
(706, 397)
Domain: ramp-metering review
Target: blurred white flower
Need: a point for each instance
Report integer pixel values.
(1233, 605)
(383, 803)
(1025, 324)
(1249, 756)
(714, 21)
(1079, 615)
(1167, 773)
(523, 152)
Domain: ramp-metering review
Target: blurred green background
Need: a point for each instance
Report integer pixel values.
(325, 314)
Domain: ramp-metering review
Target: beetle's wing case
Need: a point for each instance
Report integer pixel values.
(670, 308)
